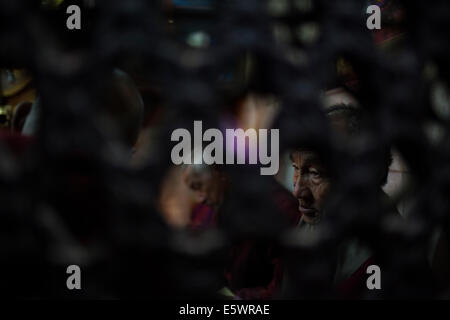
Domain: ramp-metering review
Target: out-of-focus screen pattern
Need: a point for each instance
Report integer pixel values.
(353, 120)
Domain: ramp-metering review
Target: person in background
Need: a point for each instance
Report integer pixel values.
(312, 186)
(253, 270)
(79, 191)
(122, 110)
(190, 196)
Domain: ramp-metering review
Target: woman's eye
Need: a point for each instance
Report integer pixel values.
(196, 185)
(295, 167)
(314, 172)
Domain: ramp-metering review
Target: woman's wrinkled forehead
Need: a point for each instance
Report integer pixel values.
(304, 155)
(338, 96)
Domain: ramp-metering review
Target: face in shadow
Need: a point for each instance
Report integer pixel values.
(188, 186)
(310, 178)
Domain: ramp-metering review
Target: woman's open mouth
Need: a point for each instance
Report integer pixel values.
(310, 212)
(309, 215)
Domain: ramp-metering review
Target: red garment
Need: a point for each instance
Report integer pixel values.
(355, 285)
(255, 269)
(203, 216)
(16, 143)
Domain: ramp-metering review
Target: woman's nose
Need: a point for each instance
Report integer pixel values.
(303, 192)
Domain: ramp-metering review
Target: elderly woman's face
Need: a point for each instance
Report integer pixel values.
(311, 182)
(311, 185)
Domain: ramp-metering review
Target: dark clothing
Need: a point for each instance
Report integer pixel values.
(255, 269)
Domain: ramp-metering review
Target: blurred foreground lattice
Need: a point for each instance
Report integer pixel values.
(67, 199)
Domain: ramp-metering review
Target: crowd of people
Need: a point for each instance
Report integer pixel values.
(190, 197)
(190, 230)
